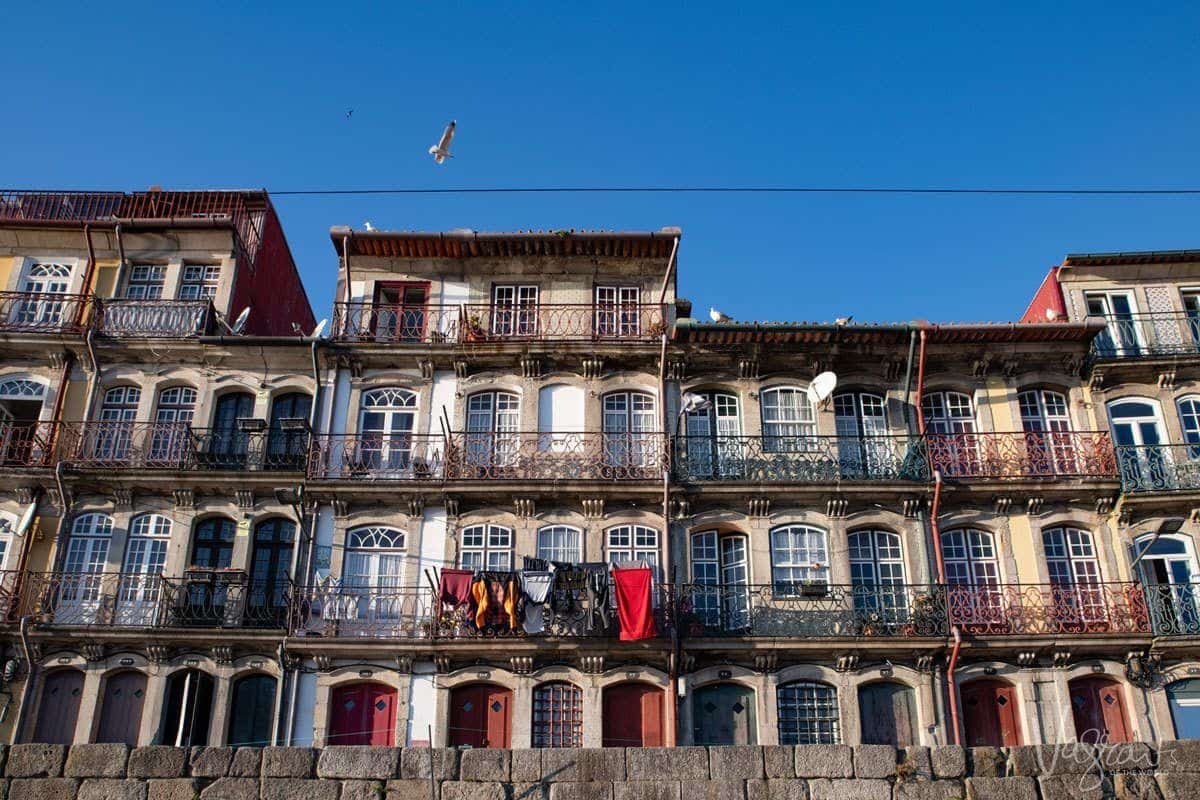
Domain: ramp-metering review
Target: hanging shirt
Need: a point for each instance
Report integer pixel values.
(455, 589)
(635, 610)
(536, 588)
(599, 618)
(479, 602)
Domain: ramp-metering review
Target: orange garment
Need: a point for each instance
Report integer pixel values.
(479, 592)
(510, 603)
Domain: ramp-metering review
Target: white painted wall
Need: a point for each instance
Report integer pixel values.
(422, 708)
(445, 386)
(306, 701)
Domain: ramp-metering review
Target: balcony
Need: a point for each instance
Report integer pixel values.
(407, 613)
(26, 444)
(141, 600)
(811, 610)
(174, 319)
(1174, 608)
(1049, 609)
(1148, 335)
(800, 459)
(1159, 468)
(1025, 455)
(556, 457)
(43, 312)
(377, 457)
(178, 447)
(464, 324)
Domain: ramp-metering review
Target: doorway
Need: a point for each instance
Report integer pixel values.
(1098, 706)
(363, 713)
(121, 708)
(187, 710)
(888, 714)
(724, 714)
(59, 707)
(480, 716)
(990, 710)
(633, 715)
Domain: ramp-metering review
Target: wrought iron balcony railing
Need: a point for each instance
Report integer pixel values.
(1044, 454)
(1159, 468)
(143, 600)
(570, 612)
(1146, 335)
(1174, 608)
(556, 456)
(377, 457)
(27, 444)
(800, 459)
(469, 323)
(1048, 609)
(154, 318)
(43, 312)
(10, 586)
(178, 447)
(813, 610)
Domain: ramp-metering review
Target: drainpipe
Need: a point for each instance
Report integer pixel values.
(921, 386)
(346, 265)
(281, 656)
(88, 273)
(941, 581)
(121, 260)
(94, 378)
(668, 443)
(912, 347)
(28, 688)
(952, 688)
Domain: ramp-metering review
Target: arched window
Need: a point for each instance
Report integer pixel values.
(141, 576)
(187, 708)
(1047, 423)
(81, 594)
(1189, 421)
(630, 422)
(230, 441)
(1070, 556)
(252, 711)
(8, 527)
(626, 543)
(970, 558)
(720, 574)
(712, 436)
(87, 552)
(120, 404)
(788, 421)
(176, 405)
(561, 543)
(808, 713)
(877, 578)
(21, 389)
(212, 545)
(386, 423)
(557, 715)
(1169, 574)
(799, 560)
(20, 407)
(270, 568)
(287, 439)
(1043, 410)
(948, 412)
(1137, 432)
(1184, 699)
(42, 311)
(493, 420)
(374, 558)
(486, 547)
(172, 438)
(863, 446)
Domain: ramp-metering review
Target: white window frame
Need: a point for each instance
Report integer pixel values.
(205, 283)
(145, 282)
(798, 561)
(554, 543)
(787, 428)
(486, 547)
(628, 543)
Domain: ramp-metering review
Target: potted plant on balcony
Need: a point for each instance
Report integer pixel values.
(473, 330)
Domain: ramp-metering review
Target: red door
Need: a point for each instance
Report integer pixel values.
(363, 713)
(1099, 710)
(121, 709)
(990, 711)
(480, 716)
(59, 708)
(633, 715)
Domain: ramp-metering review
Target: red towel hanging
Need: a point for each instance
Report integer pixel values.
(635, 609)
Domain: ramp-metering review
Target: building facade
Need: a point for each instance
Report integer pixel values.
(220, 531)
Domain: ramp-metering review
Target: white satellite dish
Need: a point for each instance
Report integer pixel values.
(320, 329)
(821, 387)
(26, 518)
(239, 324)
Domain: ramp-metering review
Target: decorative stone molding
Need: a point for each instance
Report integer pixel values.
(911, 506)
(404, 664)
(521, 665)
(185, 499)
(1027, 658)
(681, 507)
(524, 506)
(93, 651)
(593, 665)
(593, 367)
(847, 662)
(426, 366)
(747, 368)
(1002, 504)
(1104, 505)
(441, 663)
(451, 504)
(222, 654)
(57, 500)
(158, 653)
(122, 499)
(461, 369)
(1072, 364)
(893, 369)
(1194, 515)
(759, 506)
(1166, 379)
(531, 367)
(341, 507)
(593, 507)
(819, 365)
(355, 365)
(766, 662)
(1126, 515)
(25, 495)
(1033, 505)
(416, 506)
(1096, 379)
(677, 370)
(1061, 659)
(836, 506)
(245, 499)
(323, 661)
(927, 661)
(981, 366)
(1009, 367)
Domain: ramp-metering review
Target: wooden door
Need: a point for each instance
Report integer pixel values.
(888, 714)
(59, 708)
(121, 708)
(1099, 710)
(363, 713)
(633, 715)
(990, 714)
(724, 714)
(480, 716)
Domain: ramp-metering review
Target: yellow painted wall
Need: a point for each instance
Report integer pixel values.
(105, 278)
(75, 402)
(41, 548)
(6, 265)
(1021, 531)
(997, 393)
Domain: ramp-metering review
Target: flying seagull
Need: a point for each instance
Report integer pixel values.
(718, 316)
(349, 113)
(441, 150)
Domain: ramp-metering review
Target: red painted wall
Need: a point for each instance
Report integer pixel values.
(1049, 297)
(272, 286)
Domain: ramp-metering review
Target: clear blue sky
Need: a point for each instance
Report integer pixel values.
(1056, 94)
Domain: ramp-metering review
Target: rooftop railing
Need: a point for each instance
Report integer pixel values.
(173, 446)
(1159, 468)
(800, 459)
(43, 312)
(155, 318)
(1028, 454)
(477, 323)
(1146, 335)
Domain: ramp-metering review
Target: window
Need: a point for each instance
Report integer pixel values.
(808, 713)
(560, 543)
(172, 438)
(486, 547)
(970, 558)
(374, 560)
(187, 708)
(386, 424)
(720, 574)
(252, 711)
(798, 556)
(629, 425)
(141, 576)
(21, 389)
(1189, 421)
(146, 282)
(212, 547)
(1121, 337)
(82, 594)
(1138, 435)
(948, 412)
(712, 436)
(877, 577)
(1046, 423)
(120, 404)
(493, 419)
(200, 282)
(863, 447)
(788, 421)
(514, 310)
(1070, 556)
(287, 439)
(557, 715)
(40, 311)
(633, 543)
(617, 312)
(270, 565)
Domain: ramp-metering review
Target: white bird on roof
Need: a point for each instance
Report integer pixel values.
(368, 225)
(843, 320)
(718, 316)
(441, 150)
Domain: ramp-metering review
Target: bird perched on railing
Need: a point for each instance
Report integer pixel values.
(718, 316)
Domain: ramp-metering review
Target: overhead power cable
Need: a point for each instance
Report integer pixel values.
(913, 190)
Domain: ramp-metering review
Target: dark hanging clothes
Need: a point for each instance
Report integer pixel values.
(635, 607)
(455, 590)
(535, 587)
(495, 596)
(599, 618)
(535, 564)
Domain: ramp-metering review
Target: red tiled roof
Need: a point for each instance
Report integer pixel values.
(469, 244)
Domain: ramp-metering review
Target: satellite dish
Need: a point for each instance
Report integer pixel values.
(26, 519)
(320, 329)
(239, 324)
(821, 387)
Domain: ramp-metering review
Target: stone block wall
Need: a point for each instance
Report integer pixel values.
(833, 772)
